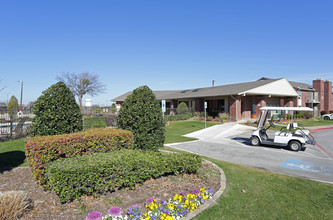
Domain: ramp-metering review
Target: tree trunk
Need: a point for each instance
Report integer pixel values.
(80, 101)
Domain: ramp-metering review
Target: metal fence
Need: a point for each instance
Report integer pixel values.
(12, 128)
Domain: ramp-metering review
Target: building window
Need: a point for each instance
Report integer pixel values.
(220, 105)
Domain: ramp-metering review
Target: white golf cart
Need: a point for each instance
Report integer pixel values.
(293, 136)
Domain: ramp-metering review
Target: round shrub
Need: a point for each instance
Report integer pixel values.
(142, 114)
(56, 112)
(182, 109)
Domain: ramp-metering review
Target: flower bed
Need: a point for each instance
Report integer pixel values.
(175, 208)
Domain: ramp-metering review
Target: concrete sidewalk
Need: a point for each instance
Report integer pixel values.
(219, 133)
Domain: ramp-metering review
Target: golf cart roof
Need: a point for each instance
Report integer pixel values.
(287, 109)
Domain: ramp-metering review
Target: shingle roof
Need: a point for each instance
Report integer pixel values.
(302, 86)
(224, 90)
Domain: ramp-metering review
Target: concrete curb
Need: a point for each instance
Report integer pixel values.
(213, 201)
(210, 202)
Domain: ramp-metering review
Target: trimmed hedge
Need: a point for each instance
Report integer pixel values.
(105, 172)
(42, 150)
(177, 117)
(94, 122)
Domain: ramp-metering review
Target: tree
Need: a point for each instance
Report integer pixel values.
(82, 83)
(56, 112)
(3, 87)
(12, 108)
(142, 114)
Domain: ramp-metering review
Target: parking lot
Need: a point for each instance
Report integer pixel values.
(232, 144)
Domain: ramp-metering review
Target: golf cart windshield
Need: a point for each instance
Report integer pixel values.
(268, 112)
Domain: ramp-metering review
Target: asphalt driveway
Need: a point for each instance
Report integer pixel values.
(230, 143)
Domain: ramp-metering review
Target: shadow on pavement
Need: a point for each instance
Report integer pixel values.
(246, 141)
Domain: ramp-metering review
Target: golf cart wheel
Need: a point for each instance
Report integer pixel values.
(255, 141)
(327, 118)
(295, 145)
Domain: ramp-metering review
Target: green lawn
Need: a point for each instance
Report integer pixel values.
(258, 194)
(250, 194)
(175, 130)
(312, 123)
(12, 153)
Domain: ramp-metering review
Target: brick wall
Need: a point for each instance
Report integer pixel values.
(235, 108)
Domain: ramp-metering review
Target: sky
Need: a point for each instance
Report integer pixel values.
(165, 44)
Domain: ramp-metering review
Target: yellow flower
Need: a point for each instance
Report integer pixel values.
(176, 197)
(202, 190)
(170, 206)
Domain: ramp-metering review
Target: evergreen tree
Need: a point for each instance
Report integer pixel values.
(56, 112)
(141, 113)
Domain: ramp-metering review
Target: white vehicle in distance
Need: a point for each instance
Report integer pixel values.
(327, 116)
(293, 136)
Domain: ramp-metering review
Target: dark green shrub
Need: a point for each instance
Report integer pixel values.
(94, 122)
(177, 117)
(56, 112)
(105, 172)
(182, 109)
(41, 150)
(142, 114)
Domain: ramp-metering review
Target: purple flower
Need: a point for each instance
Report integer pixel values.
(196, 191)
(166, 211)
(135, 206)
(115, 211)
(202, 201)
(184, 193)
(94, 216)
(150, 201)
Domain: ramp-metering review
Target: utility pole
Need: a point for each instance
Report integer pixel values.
(21, 95)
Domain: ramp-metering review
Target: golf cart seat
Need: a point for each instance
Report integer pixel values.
(283, 131)
(298, 132)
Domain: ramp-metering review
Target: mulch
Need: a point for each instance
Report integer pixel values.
(45, 204)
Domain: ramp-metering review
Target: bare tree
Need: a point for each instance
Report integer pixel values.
(82, 83)
(3, 87)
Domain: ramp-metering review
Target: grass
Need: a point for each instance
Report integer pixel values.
(250, 194)
(175, 130)
(313, 123)
(258, 194)
(12, 153)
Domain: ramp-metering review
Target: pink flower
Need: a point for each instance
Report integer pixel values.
(196, 191)
(94, 216)
(115, 211)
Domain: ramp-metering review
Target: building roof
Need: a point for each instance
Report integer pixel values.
(224, 90)
(302, 86)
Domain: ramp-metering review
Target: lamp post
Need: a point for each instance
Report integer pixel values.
(21, 94)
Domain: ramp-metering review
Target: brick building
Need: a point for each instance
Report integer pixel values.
(244, 100)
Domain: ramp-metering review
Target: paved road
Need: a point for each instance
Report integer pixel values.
(313, 162)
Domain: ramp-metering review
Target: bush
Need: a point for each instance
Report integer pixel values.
(105, 172)
(177, 117)
(224, 116)
(56, 112)
(142, 114)
(94, 122)
(13, 204)
(42, 150)
(182, 109)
